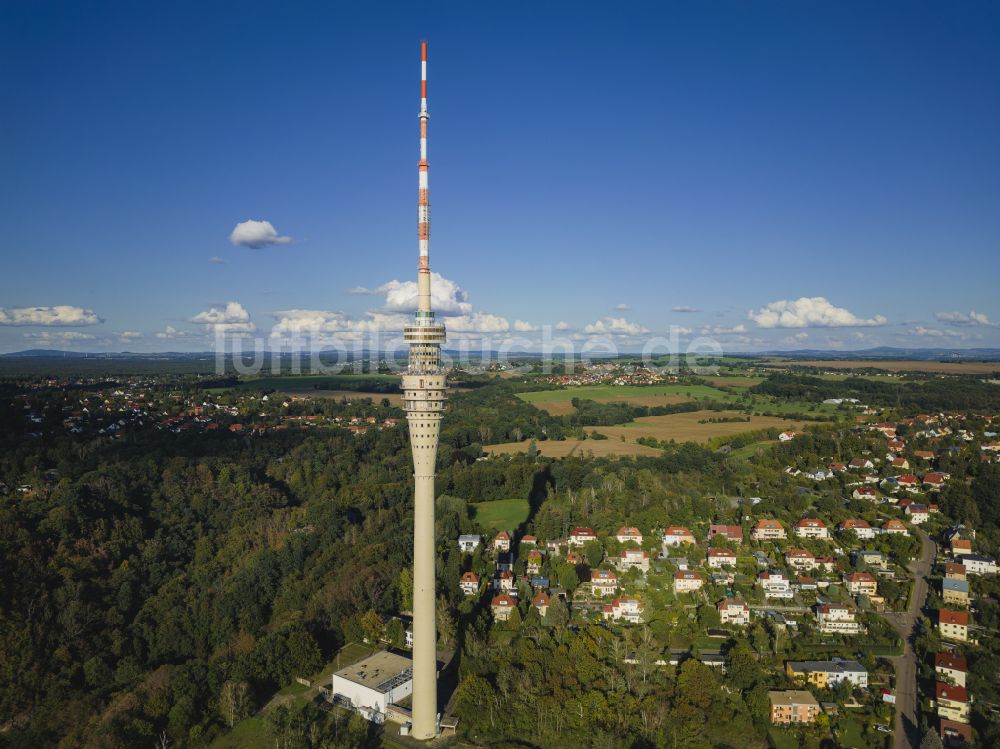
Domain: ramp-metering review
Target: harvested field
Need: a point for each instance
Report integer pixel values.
(934, 367)
(558, 402)
(734, 382)
(563, 407)
(578, 448)
(395, 399)
(685, 427)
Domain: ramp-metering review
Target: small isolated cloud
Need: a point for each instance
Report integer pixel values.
(216, 260)
(362, 290)
(233, 318)
(172, 333)
(563, 325)
(130, 335)
(62, 314)
(923, 332)
(521, 326)
(622, 307)
(961, 319)
(795, 339)
(614, 326)
(256, 234)
(447, 297)
(684, 308)
(809, 312)
(723, 330)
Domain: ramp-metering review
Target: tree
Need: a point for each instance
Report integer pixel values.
(372, 626)
(406, 588)
(234, 702)
(931, 740)
(445, 622)
(395, 633)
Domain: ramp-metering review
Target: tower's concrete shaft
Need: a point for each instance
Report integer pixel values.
(424, 399)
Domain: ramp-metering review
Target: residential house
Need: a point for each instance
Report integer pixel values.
(502, 542)
(574, 558)
(676, 535)
(774, 584)
(934, 481)
(960, 547)
(800, 559)
(811, 528)
(787, 436)
(627, 609)
(924, 454)
(718, 558)
(954, 571)
(954, 625)
(828, 674)
(865, 492)
(504, 582)
(625, 535)
(581, 535)
(469, 583)
(895, 526)
(860, 527)
(733, 533)
(952, 702)
(734, 611)
(837, 619)
(909, 482)
(861, 464)
(541, 602)
(686, 582)
(917, 514)
(767, 530)
(793, 706)
(529, 540)
(502, 607)
(867, 556)
(950, 668)
(603, 582)
(534, 561)
(954, 734)
(861, 583)
(633, 558)
(901, 464)
(955, 591)
(505, 562)
(468, 543)
(976, 564)
(826, 563)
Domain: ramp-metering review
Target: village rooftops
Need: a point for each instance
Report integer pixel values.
(950, 661)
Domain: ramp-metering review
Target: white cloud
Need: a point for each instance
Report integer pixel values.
(172, 333)
(294, 322)
(622, 307)
(216, 260)
(62, 314)
(65, 336)
(809, 312)
(233, 318)
(524, 327)
(478, 322)
(361, 290)
(256, 234)
(923, 332)
(792, 340)
(959, 318)
(723, 330)
(130, 335)
(563, 325)
(447, 297)
(684, 308)
(614, 326)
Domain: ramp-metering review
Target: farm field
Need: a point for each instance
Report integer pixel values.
(395, 399)
(558, 402)
(576, 448)
(303, 383)
(934, 367)
(734, 382)
(501, 514)
(685, 427)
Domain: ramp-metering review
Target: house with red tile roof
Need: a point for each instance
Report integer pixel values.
(502, 607)
(811, 528)
(767, 530)
(730, 532)
(953, 625)
(581, 535)
(676, 535)
(894, 526)
(603, 582)
(860, 527)
(861, 583)
(624, 535)
(469, 583)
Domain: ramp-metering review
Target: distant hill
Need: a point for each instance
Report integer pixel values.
(889, 352)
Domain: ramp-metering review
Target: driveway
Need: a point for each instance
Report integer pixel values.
(907, 728)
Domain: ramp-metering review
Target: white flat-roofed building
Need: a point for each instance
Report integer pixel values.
(775, 585)
(976, 564)
(373, 683)
(837, 619)
(468, 543)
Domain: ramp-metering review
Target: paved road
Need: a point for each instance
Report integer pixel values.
(907, 729)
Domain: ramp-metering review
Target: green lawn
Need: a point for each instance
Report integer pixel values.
(782, 738)
(849, 734)
(501, 514)
(750, 451)
(603, 392)
(247, 734)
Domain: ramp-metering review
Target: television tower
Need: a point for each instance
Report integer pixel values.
(424, 399)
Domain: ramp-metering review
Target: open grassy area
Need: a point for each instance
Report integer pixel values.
(578, 448)
(251, 733)
(558, 402)
(686, 427)
(501, 514)
(749, 451)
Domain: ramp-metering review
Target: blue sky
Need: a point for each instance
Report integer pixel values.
(800, 174)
